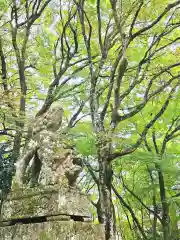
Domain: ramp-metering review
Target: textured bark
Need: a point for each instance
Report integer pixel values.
(154, 223)
(22, 104)
(165, 208)
(105, 180)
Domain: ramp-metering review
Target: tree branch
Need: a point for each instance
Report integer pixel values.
(166, 10)
(130, 210)
(3, 67)
(143, 134)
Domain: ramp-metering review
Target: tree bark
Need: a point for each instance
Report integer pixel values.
(154, 224)
(105, 180)
(165, 208)
(22, 107)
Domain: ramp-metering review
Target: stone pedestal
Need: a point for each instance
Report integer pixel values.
(49, 213)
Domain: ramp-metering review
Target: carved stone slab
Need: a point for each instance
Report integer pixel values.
(47, 201)
(57, 230)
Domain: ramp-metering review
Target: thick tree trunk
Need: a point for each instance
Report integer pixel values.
(99, 211)
(105, 179)
(22, 81)
(16, 146)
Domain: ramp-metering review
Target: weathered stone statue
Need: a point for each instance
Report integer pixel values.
(43, 203)
(47, 160)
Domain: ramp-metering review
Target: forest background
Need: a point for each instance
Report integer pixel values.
(114, 67)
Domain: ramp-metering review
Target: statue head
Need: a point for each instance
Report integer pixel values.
(54, 117)
(51, 120)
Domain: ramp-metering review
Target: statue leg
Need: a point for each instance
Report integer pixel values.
(35, 170)
(22, 166)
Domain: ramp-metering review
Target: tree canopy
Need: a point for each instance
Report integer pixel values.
(114, 67)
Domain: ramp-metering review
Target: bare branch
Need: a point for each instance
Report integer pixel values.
(90, 169)
(99, 26)
(74, 117)
(3, 67)
(112, 79)
(166, 10)
(36, 13)
(138, 198)
(143, 134)
(154, 142)
(170, 135)
(135, 18)
(130, 210)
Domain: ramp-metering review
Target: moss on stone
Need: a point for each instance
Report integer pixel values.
(57, 230)
(48, 201)
(43, 236)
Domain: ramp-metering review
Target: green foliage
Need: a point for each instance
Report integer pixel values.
(86, 145)
(81, 81)
(6, 170)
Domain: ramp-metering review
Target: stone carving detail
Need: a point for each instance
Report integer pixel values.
(46, 160)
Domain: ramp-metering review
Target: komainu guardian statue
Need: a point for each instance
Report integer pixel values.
(43, 202)
(46, 159)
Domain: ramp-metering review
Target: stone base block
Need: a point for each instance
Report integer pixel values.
(56, 230)
(44, 202)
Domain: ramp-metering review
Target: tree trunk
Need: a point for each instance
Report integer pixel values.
(1, 202)
(174, 223)
(99, 211)
(154, 224)
(165, 208)
(105, 179)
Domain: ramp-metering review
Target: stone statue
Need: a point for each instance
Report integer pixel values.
(46, 159)
(47, 209)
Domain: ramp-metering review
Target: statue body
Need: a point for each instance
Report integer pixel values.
(46, 160)
(47, 209)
